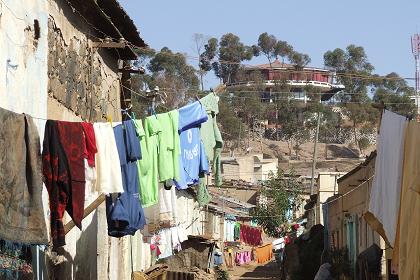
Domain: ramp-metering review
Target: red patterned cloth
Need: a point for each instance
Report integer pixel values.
(74, 145)
(251, 235)
(64, 174)
(90, 140)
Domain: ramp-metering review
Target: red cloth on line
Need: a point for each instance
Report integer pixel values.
(64, 174)
(74, 145)
(90, 140)
(56, 177)
(250, 235)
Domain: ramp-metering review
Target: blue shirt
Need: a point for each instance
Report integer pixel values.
(193, 159)
(125, 214)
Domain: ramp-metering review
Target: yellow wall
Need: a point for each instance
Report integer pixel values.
(354, 190)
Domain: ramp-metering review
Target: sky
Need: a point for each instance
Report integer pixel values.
(383, 28)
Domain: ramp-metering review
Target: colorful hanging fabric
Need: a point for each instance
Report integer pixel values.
(250, 235)
(406, 251)
(384, 199)
(21, 212)
(64, 174)
(108, 166)
(150, 183)
(211, 136)
(169, 146)
(125, 214)
(193, 159)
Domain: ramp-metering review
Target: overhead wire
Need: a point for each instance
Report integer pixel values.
(135, 47)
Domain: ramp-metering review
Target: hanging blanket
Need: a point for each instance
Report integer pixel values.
(21, 212)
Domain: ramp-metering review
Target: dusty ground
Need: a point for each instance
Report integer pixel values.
(256, 271)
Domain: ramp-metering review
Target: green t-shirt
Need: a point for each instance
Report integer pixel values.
(149, 184)
(211, 136)
(169, 146)
(143, 165)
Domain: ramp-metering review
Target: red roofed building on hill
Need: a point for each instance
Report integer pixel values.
(295, 78)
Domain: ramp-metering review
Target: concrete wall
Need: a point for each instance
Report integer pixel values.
(350, 208)
(212, 223)
(327, 186)
(242, 169)
(23, 58)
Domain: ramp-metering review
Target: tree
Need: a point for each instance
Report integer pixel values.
(199, 44)
(283, 49)
(209, 54)
(272, 48)
(352, 67)
(266, 46)
(230, 124)
(282, 195)
(230, 52)
(354, 70)
(170, 72)
(300, 60)
(394, 92)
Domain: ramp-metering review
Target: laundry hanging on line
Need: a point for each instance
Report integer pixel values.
(394, 201)
(21, 212)
(79, 156)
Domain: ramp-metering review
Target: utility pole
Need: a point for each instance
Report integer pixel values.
(314, 153)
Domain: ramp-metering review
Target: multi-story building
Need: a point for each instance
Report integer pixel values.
(270, 76)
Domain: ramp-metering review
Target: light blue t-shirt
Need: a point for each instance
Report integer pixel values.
(193, 159)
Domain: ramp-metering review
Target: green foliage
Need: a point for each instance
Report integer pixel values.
(230, 124)
(167, 70)
(271, 48)
(395, 94)
(282, 194)
(229, 52)
(364, 143)
(283, 49)
(350, 63)
(300, 60)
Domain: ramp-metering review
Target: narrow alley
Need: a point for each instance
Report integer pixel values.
(269, 270)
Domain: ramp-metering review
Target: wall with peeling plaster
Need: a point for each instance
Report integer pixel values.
(83, 79)
(23, 58)
(83, 84)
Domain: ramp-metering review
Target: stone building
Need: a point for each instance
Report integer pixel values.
(62, 59)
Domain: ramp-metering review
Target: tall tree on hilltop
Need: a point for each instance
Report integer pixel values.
(266, 46)
(230, 52)
(352, 67)
(300, 60)
(353, 71)
(271, 48)
(283, 50)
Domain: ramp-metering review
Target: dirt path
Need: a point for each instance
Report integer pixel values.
(256, 271)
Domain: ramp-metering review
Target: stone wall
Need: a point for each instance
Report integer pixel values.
(79, 78)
